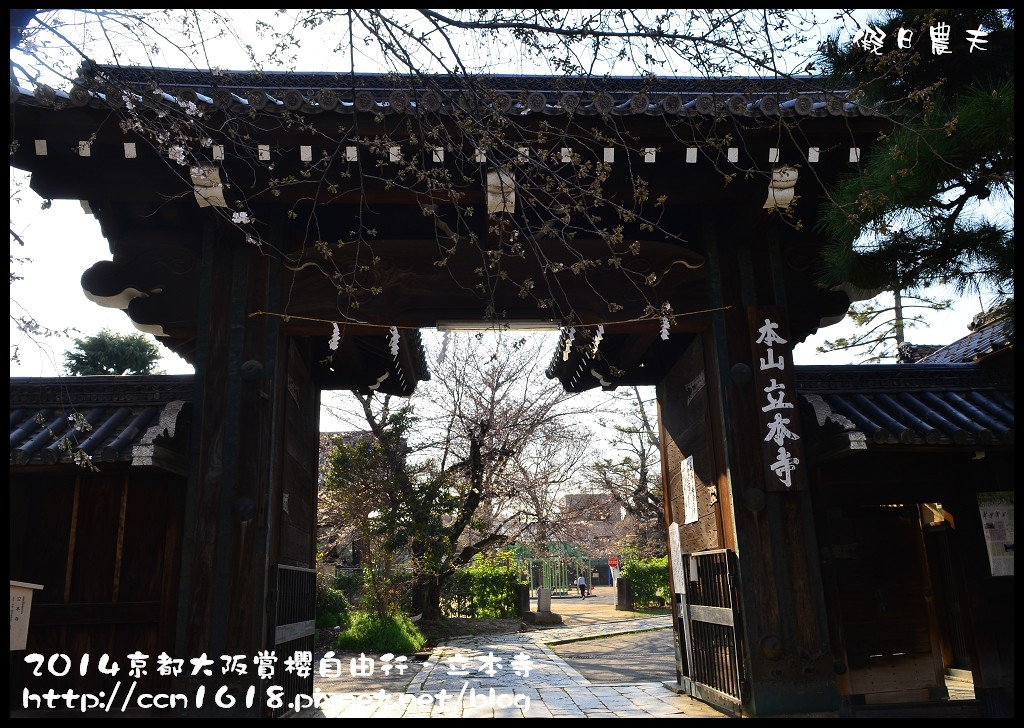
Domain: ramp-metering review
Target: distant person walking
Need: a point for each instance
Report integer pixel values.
(582, 584)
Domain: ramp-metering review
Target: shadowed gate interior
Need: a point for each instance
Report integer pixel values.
(885, 606)
(271, 317)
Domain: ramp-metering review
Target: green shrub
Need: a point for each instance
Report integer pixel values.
(492, 584)
(650, 581)
(487, 588)
(350, 583)
(332, 608)
(337, 615)
(371, 633)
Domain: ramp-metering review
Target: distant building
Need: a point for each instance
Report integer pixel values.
(991, 334)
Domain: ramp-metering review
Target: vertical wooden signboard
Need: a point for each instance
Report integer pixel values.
(772, 364)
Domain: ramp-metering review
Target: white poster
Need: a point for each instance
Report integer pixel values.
(676, 554)
(690, 514)
(997, 525)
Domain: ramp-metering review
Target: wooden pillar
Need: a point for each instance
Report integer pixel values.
(789, 658)
(231, 511)
(788, 664)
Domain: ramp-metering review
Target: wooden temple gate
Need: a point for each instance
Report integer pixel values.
(219, 259)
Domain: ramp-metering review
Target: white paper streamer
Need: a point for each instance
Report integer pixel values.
(394, 341)
(568, 344)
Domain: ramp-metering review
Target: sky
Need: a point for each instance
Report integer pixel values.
(64, 241)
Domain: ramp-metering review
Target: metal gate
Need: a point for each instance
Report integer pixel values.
(558, 574)
(294, 608)
(709, 626)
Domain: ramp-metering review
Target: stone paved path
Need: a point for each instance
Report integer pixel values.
(515, 676)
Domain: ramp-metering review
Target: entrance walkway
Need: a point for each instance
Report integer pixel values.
(521, 675)
(600, 663)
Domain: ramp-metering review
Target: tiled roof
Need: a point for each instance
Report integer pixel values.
(312, 93)
(992, 338)
(909, 405)
(131, 419)
(991, 333)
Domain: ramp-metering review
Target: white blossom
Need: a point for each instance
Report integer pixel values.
(335, 338)
(177, 153)
(241, 218)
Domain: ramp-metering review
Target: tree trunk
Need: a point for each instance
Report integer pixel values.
(431, 597)
(418, 592)
(897, 308)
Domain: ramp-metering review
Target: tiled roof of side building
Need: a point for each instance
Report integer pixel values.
(106, 419)
(980, 344)
(918, 405)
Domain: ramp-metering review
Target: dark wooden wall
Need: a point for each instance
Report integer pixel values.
(297, 499)
(685, 431)
(106, 547)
